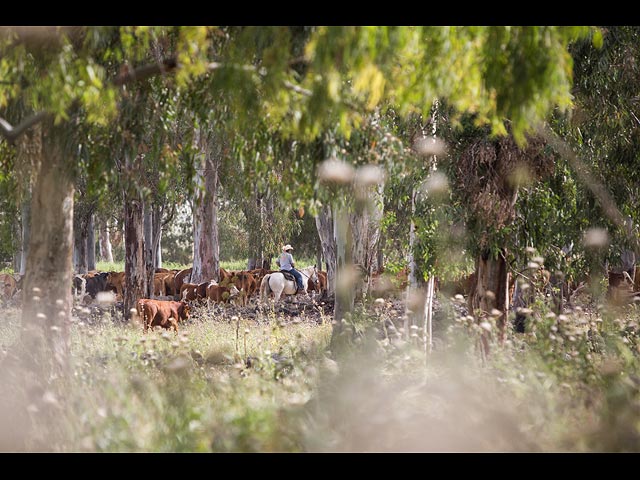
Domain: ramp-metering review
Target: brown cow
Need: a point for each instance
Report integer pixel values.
(245, 282)
(219, 294)
(159, 288)
(322, 281)
(115, 280)
(180, 278)
(8, 285)
(166, 314)
(321, 286)
(169, 283)
(192, 291)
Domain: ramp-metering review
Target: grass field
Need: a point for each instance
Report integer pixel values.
(269, 384)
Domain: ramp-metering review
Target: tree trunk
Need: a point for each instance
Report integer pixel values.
(18, 223)
(319, 254)
(414, 308)
(258, 211)
(206, 253)
(91, 244)
(106, 254)
(380, 254)
(490, 291)
(47, 284)
(80, 245)
(148, 245)
(156, 250)
(365, 228)
(26, 232)
(136, 285)
(326, 233)
(256, 256)
(413, 283)
(345, 277)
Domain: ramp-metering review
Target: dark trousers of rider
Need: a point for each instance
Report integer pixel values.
(298, 276)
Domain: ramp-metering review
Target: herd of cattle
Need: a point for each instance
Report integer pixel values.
(173, 294)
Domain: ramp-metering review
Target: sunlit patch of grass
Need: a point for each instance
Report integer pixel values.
(199, 391)
(570, 383)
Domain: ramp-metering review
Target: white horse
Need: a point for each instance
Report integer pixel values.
(276, 283)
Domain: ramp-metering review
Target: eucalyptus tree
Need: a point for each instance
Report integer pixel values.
(604, 131)
(67, 76)
(497, 73)
(341, 77)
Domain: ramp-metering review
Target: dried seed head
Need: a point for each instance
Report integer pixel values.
(430, 146)
(106, 298)
(178, 364)
(369, 175)
(486, 326)
(335, 171)
(596, 238)
(436, 185)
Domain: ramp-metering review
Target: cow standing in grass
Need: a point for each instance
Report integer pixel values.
(162, 313)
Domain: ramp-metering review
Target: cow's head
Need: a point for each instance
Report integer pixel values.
(184, 310)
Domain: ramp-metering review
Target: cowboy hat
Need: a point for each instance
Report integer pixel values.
(287, 247)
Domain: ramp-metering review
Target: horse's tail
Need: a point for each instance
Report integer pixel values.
(264, 287)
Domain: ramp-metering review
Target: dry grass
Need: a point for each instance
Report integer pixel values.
(568, 384)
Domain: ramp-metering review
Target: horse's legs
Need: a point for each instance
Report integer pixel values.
(276, 295)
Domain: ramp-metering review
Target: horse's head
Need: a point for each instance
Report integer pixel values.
(313, 275)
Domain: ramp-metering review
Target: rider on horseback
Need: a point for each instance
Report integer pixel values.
(286, 264)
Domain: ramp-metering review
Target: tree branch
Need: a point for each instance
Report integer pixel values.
(12, 133)
(584, 174)
(297, 89)
(168, 65)
(127, 75)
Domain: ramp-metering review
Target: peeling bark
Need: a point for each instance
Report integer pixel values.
(325, 227)
(490, 291)
(206, 253)
(47, 283)
(26, 229)
(156, 250)
(136, 284)
(148, 247)
(106, 254)
(91, 244)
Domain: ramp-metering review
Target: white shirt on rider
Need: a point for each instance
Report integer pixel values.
(286, 261)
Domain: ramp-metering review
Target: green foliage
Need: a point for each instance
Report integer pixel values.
(519, 73)
(8, 220)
